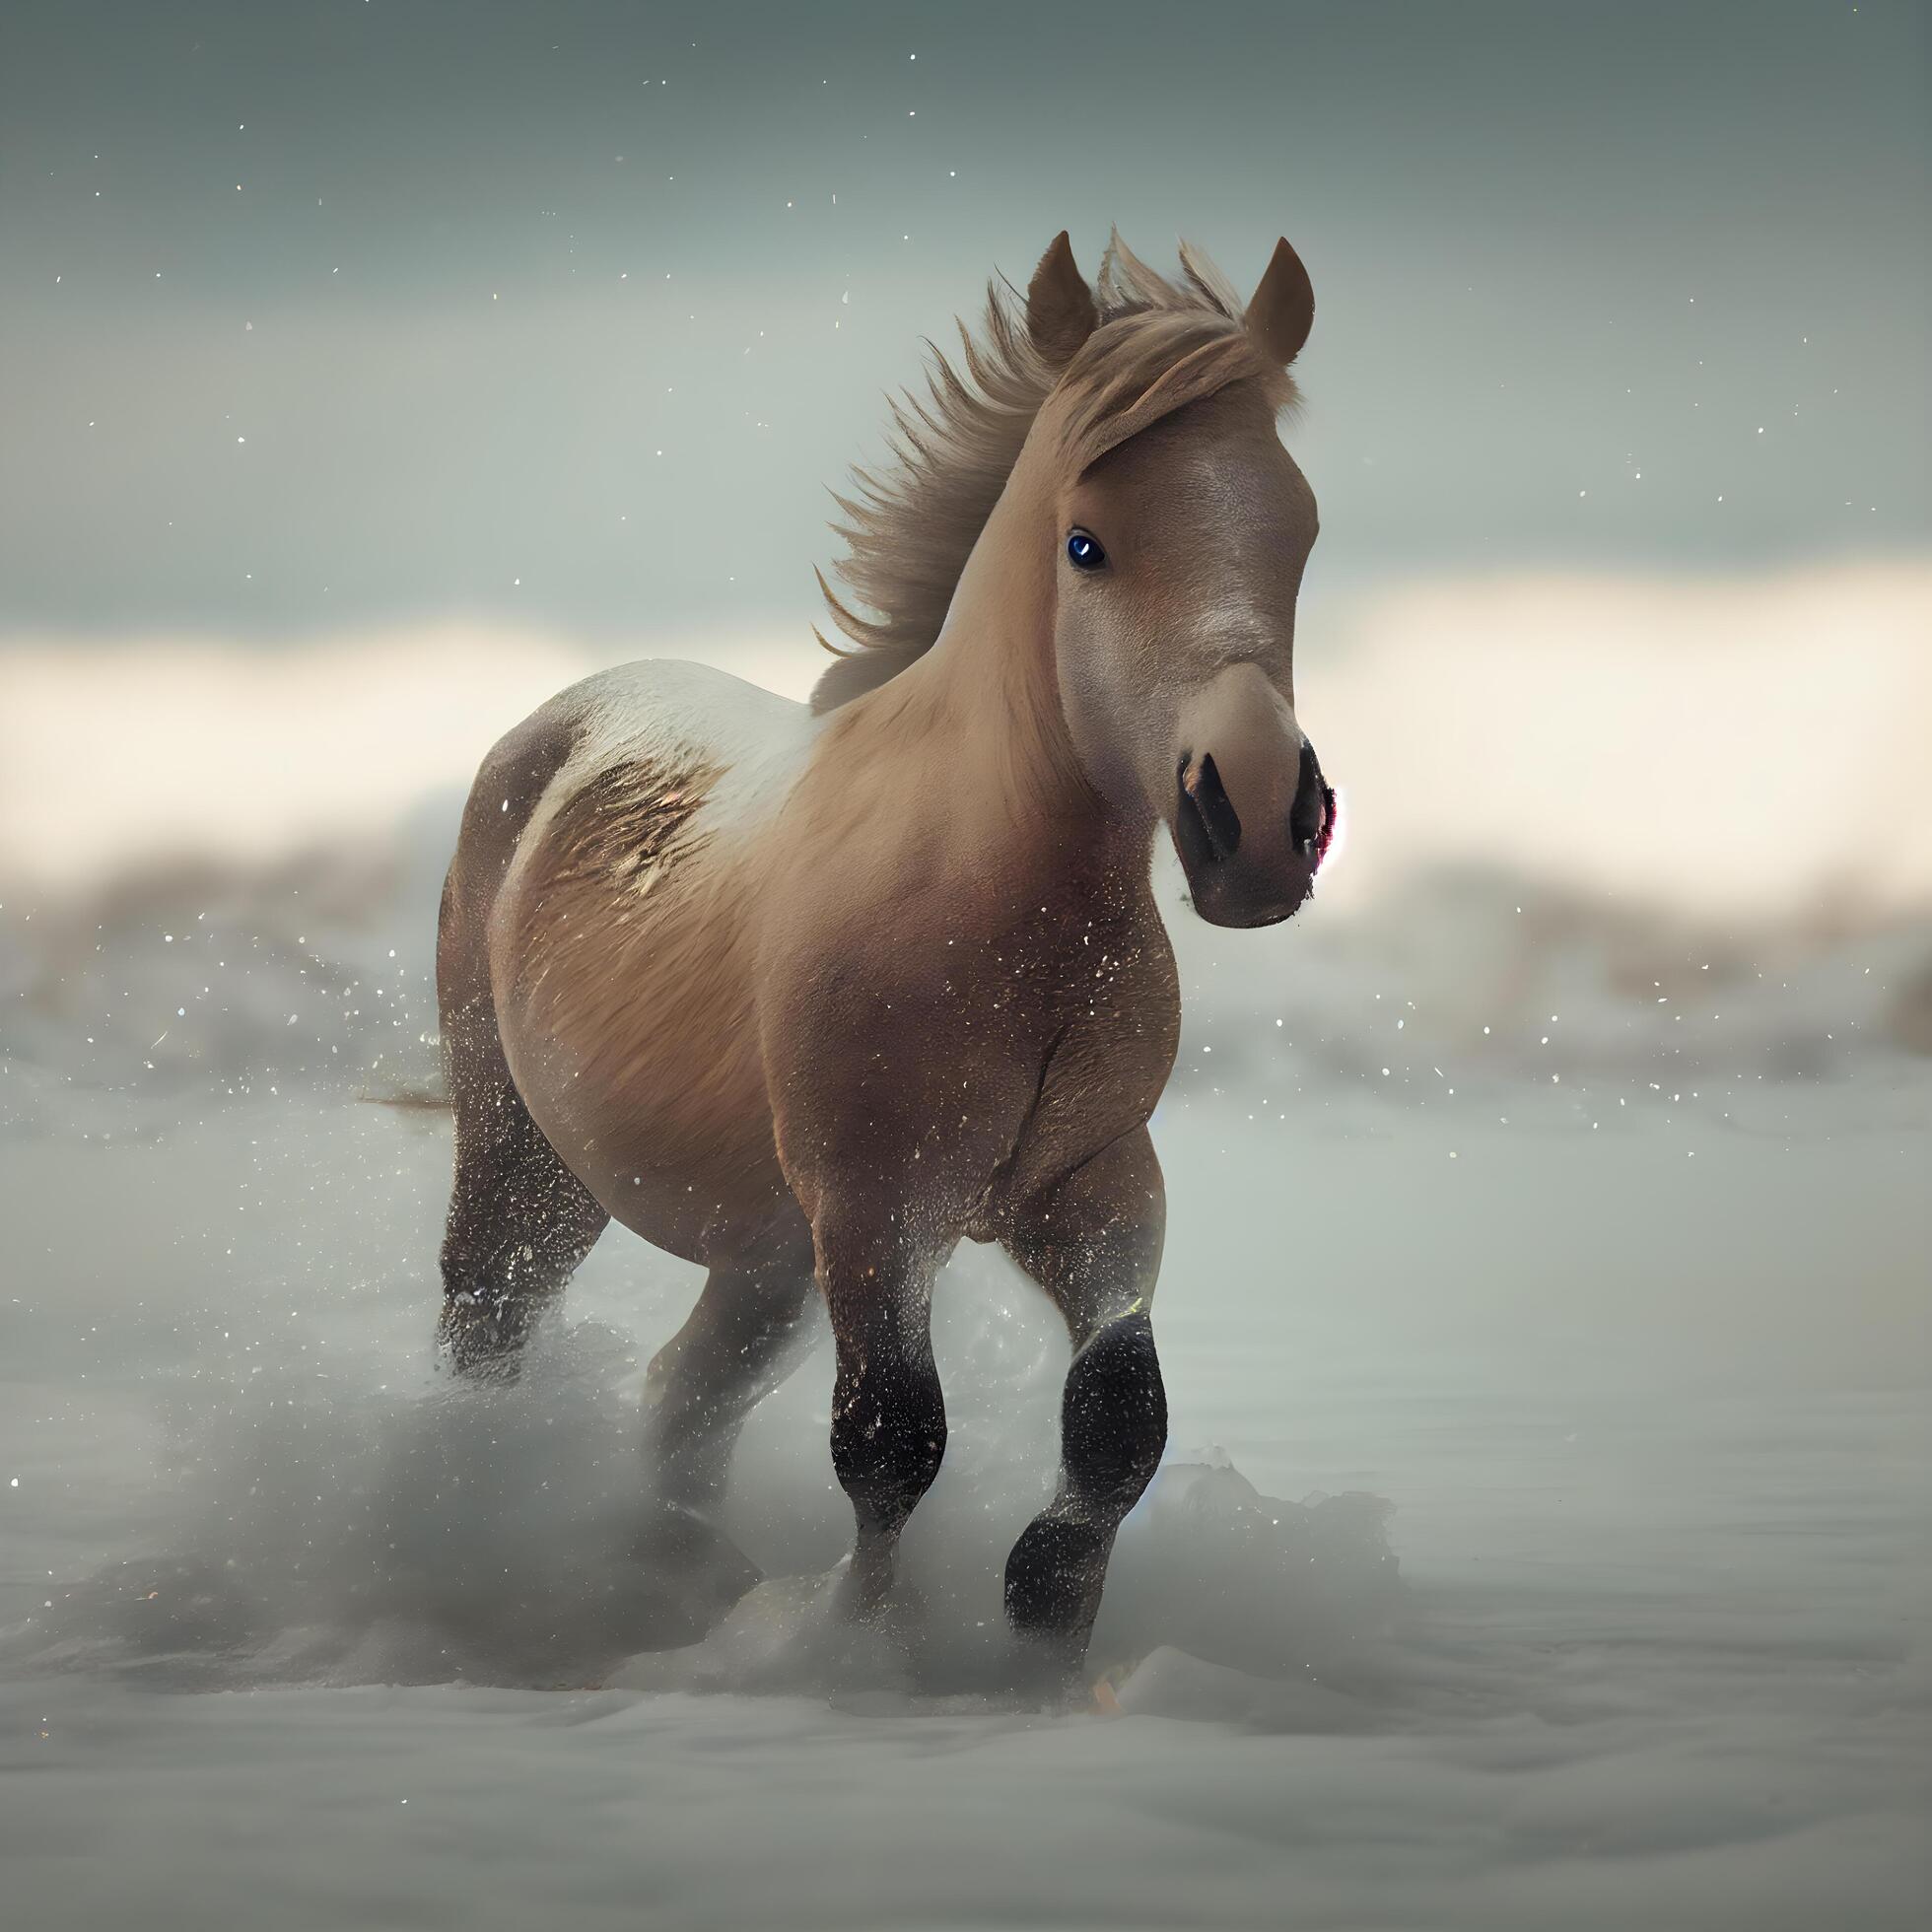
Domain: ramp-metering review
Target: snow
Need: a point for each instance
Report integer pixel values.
(1540, 1542)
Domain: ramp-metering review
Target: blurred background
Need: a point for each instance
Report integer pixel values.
(370, 371)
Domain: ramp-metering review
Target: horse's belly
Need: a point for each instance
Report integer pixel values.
(662, 1115)
(671, 1176)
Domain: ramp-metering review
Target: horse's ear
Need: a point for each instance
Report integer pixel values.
(1060, 310)
(1281, 309)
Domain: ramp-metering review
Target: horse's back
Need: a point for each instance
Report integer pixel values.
(598, 904)
(655, 717)
(668, 716)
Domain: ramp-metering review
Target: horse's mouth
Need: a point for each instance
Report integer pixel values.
(1248, 882)
(1224, 900)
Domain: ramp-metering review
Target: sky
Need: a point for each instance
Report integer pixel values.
(320, 316)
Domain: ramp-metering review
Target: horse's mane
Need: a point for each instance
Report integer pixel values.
(908, 531)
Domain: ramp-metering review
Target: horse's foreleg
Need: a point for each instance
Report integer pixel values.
(888, 1415)
(1093, 1243)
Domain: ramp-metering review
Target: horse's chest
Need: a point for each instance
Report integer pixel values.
(963, 1053)
(1092, 1065)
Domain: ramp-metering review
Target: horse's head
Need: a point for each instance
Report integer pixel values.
(1180, 528)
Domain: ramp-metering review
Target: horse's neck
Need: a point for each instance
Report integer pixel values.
(990, 678)
(976, 737)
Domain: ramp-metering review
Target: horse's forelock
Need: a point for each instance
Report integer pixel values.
(1160, 363)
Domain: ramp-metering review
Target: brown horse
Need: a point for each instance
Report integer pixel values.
(811, 994)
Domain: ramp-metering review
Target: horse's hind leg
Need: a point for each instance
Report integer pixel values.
(519, 1220)
(746, 1333)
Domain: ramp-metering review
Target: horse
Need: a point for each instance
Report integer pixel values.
(808, 994)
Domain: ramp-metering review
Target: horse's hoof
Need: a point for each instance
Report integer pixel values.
(891, 1607)
(479, 1341)
(1049, 1672)
(699, 1570)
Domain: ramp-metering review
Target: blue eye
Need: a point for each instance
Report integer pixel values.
(1083, 553)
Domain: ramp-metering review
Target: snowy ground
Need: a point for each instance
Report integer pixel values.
(1624, 1370)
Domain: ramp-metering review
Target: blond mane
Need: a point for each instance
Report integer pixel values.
(907, 531)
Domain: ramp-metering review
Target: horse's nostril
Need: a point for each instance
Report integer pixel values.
(1309, 813)
(1202, 789)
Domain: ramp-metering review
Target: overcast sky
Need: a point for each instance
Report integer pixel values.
(315, 315)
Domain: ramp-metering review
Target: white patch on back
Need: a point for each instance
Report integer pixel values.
(667, 711)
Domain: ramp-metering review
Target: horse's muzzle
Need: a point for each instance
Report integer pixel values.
(1252, 816)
